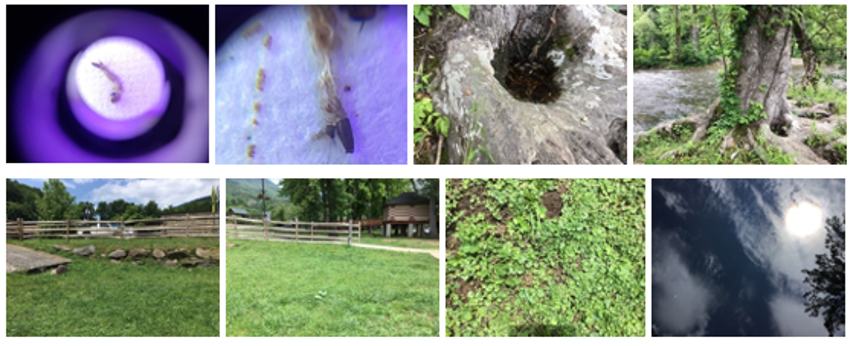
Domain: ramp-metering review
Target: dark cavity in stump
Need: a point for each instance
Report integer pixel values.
(524, 68)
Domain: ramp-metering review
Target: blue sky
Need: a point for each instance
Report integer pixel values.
(165, 192)
(727, 262)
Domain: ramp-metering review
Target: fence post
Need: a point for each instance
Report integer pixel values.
(67, 230)
(20, 229)
(296, 223)
(312, 231)
(235, 227)
(349, 239)
(187, 226)
(122, 228)
(359, 232)
(266, 227)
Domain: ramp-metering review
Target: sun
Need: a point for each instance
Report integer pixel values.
(803, 219)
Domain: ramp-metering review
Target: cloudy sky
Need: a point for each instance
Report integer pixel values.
(726, 262)
(165, 192)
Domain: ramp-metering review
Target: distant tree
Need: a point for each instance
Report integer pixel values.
(21, 201)
(56, 203)
(151, 210)
(81, 210)
(117, 208)
(827, 296)
(103, 211)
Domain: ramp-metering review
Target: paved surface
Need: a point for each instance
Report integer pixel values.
(24, 259)
(434, 253)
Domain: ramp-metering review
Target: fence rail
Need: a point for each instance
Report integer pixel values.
(187, 226)
(296, 231)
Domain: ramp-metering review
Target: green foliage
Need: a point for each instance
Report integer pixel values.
(427, 122)
(821, 94)
(827, 281)
(341, 199)
(245, 194)
(515, 270)
(827, 27)
(472, 149)
(842, 153)
(272, 289)
(99, 298)
(841, 128)
(56, 202)
(21, 201)
(422, 14)
(462, 10)
(654, 35)
(649, 58)
(657, 147)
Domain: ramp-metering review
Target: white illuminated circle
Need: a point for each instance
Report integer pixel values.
(803, 219)
(117, 89)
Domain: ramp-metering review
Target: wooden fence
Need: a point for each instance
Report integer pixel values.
(187, 226)
(302, 232)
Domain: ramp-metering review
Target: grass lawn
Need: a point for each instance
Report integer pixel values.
(289, 289)
(415, 243)
(99, 298)
(545, 257)
(105, 245)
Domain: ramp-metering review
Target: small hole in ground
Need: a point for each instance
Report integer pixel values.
(526, 70)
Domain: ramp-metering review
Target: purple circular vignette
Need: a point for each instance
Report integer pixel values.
(40, 136)
(116, 88)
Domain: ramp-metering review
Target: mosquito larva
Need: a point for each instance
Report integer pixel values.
(252, 30)
(267, 42)
(260, 77)
(117, 84)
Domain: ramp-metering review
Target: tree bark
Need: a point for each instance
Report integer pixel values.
(807, 52)
(694, 31)
(677, 35)
(765, 65)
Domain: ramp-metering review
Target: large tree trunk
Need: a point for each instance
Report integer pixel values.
(694, 31)
(677, 35)
(765, 65)
(807, 52)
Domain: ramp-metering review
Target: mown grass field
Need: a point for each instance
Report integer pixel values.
(109, 244)
(289, 289)
(100, 298)
(415, 243)
(545, 257)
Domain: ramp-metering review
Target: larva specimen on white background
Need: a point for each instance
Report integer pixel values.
(117, 84)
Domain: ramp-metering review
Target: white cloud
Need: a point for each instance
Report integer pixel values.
(82, 181)
(791, 320)
(68, 183)
(165, 192)
(682, 303)
(673, 201)
(766, 241)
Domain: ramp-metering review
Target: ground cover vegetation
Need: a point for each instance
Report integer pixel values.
(545, 257)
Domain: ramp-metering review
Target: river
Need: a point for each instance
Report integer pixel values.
(670, 94)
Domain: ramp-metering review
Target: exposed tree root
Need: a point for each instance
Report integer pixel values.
(756, 139)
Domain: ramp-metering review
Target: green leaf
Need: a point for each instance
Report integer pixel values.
(419, 136)
(462, 10)
(442, 125)
(422, 14)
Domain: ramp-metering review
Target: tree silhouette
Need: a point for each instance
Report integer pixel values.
(827, 296)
